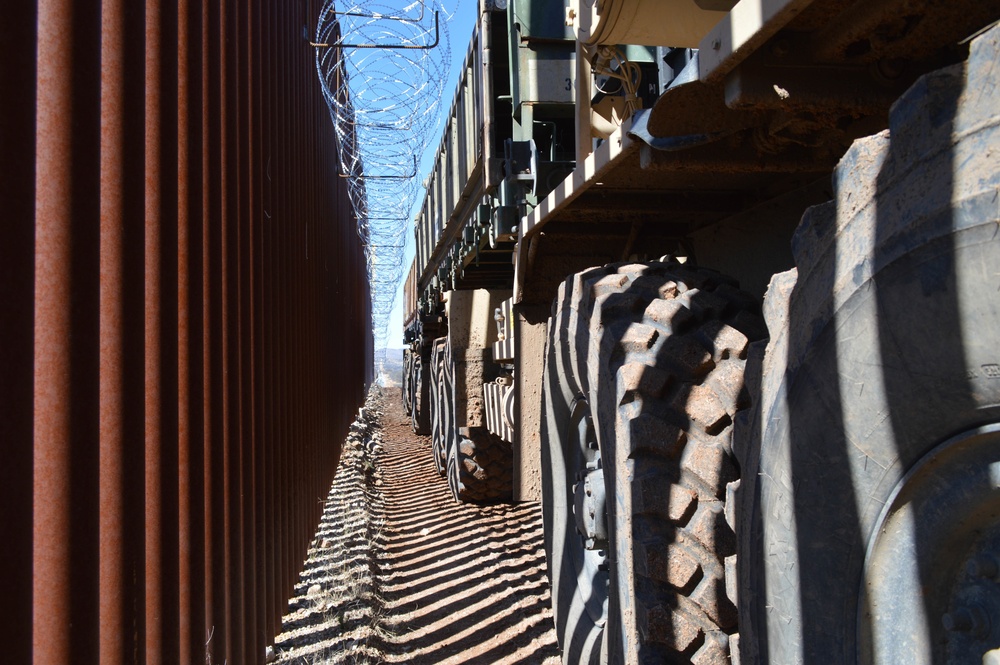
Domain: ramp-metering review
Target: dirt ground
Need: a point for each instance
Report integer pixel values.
(401, 573)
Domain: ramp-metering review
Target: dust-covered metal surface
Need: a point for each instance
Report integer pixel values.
(186, 325)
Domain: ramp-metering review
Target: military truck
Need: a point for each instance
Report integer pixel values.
(719, 285)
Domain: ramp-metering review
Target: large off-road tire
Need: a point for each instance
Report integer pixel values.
(478, 466)
(420, 420)
(442, 431)
(406, 391)
(481, 468)
(871, 518)
(643, 378)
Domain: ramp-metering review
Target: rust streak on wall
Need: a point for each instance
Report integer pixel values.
(186, 334)
(52, 330)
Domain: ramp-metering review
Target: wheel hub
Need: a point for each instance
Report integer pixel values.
(589, 505)
(931, 586)
(590, 508)
(972, 622)
(589, 512)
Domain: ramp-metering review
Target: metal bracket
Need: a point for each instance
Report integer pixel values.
(427, 47)
(376, 15)
(385, 177)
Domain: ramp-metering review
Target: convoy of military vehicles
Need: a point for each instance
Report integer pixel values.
(719, 284)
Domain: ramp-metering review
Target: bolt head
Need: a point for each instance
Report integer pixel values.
(984, 566)
(967, 620)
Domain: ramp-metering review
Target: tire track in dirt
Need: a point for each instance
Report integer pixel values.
(462, 583)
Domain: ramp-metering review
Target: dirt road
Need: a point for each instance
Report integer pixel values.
(400, 572)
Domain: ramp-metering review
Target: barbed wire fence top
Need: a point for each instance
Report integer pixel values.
(383, 69)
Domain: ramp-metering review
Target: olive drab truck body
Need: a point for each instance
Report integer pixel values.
(717, 283)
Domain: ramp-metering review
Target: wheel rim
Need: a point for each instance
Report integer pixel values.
(930, 589)
(585, 476)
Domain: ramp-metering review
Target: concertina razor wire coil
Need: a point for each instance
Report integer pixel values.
(382, 70)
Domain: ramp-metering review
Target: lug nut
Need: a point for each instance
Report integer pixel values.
(966, 620)
(983, 565)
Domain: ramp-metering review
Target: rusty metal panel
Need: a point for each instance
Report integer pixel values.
(186, 330)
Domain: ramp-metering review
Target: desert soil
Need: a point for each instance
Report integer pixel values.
(401, 573)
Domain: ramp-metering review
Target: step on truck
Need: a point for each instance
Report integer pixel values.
(719, 285)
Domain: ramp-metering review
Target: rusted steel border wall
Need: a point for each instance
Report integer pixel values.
(184, 325)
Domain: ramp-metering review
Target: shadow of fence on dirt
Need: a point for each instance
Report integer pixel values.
(335, 614)
(463, 583)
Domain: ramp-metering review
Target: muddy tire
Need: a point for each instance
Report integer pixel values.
(868, 503)
(643, 378)
(407, 389)
(442, 431)
(480, 468)
(420, 420)
(438, 451)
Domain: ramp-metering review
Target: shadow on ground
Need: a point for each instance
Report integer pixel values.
(463, 583)
(401, 573)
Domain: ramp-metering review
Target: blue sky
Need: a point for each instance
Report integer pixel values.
(460, 28)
